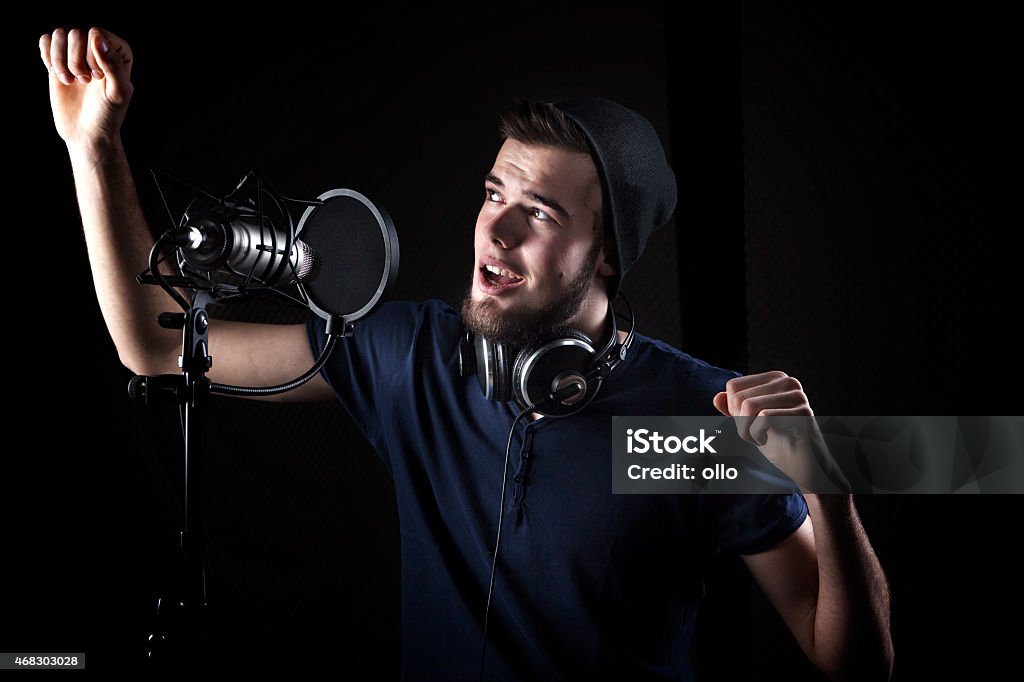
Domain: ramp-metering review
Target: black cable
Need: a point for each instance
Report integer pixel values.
(497, 539)
(177, 237)
(227, 389)
(154, 269)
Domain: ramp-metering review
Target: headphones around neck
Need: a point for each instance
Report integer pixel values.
(557, 376)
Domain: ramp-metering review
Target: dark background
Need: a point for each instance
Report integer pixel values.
(846, 181)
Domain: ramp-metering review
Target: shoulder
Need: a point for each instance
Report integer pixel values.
(399, 318)
(401, 325)
(413, 314)
(398, 325)
(656, 355)
(658, 375)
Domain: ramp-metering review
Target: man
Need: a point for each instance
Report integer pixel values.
(586, 583)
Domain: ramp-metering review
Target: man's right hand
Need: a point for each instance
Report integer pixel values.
(90, 87)
(90, 83)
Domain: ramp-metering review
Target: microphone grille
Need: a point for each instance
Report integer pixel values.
(308, 263)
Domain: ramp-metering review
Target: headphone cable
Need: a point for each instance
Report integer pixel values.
(497, 539)
(600, 372)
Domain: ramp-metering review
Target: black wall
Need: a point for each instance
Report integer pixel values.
(880, 157)
(844, 216)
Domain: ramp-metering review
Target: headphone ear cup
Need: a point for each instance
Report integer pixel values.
(493, 369)
(503, 385)
(540, 370)
(467, 355)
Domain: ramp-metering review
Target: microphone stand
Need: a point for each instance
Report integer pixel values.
(180, 640)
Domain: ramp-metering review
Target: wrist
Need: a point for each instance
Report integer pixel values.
(833, 504)
(95, 150)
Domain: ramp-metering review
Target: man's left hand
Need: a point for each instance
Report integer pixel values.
(773, 413)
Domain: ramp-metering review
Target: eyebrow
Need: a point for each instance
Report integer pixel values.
(540, 199)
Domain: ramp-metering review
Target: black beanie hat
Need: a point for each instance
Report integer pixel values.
(639, 187)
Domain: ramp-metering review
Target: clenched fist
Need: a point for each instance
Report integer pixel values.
(90, 83)
(772, 412)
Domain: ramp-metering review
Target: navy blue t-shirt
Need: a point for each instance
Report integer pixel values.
(589, 584)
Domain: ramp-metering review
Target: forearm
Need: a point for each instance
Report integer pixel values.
(851, 621)
(119, 242)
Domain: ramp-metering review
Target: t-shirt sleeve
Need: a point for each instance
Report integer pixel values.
(748, 524)
(366, 368)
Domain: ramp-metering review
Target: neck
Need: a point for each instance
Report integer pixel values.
(592, 319)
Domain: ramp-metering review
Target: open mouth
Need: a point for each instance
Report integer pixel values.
(499, 277)
(494, 280)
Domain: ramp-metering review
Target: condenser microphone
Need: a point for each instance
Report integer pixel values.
(231, 238)
(341, 258)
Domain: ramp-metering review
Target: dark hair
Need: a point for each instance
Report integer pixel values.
(542, 125)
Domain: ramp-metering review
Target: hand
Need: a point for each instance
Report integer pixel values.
(773, 413)
(90, 83)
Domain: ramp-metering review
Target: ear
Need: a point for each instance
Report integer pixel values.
(604, 268)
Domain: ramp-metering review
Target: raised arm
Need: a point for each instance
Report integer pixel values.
(824, 579)
(827, 584)
(90, 88)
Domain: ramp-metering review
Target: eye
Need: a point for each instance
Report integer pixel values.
(539, 214)
(491, 195)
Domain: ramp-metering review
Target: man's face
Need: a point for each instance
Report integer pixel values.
(537, 229)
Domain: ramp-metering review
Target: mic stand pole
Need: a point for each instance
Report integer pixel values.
(180, 641)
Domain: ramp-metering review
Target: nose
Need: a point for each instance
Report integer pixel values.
(505, 229)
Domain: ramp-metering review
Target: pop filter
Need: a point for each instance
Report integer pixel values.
(358, 250)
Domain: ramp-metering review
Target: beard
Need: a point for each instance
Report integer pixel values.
(524, 326)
